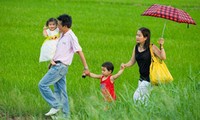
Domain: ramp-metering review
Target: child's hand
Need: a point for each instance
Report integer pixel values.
(44, 31)
(45, 27)
(86, 73)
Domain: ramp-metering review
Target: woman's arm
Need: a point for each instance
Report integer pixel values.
(132, 60)
(159, 52)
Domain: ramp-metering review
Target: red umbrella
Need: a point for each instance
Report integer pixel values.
(170, 13)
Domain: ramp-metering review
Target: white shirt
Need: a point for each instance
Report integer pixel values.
(52, 33)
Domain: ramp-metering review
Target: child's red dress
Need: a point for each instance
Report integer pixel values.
(107, 89)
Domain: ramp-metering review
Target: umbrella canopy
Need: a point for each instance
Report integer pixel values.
(170, 13)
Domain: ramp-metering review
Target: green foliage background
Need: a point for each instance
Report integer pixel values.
(106, 30)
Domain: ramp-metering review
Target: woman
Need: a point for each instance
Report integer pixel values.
(141, 55)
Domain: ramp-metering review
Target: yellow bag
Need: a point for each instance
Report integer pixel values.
(159, 72)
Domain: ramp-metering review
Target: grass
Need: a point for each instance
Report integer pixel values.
(106, 31)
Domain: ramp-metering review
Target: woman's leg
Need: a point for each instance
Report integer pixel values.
(142, 92)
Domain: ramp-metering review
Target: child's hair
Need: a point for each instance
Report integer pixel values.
(109, 66)
(51, 20)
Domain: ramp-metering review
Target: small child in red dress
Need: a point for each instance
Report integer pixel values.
(107, 80)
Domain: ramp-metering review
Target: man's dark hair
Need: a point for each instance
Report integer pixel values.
(109, 66)
(66, 20)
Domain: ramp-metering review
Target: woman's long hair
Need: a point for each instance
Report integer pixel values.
(146, 33)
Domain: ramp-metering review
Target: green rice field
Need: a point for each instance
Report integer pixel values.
(106, 30)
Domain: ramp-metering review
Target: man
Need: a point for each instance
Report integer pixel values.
(56, 75)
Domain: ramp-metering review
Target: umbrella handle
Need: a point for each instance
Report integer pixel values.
(164, 29)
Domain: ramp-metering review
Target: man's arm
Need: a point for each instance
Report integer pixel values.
(83, 60)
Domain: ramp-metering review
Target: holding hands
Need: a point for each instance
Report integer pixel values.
(86, 72)
(123, 66)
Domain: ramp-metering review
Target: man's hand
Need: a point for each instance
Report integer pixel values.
(86, 72)
(52, 62)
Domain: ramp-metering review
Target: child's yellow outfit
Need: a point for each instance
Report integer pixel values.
(49, 46)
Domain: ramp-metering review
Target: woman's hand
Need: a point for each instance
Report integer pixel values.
(161, 41)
